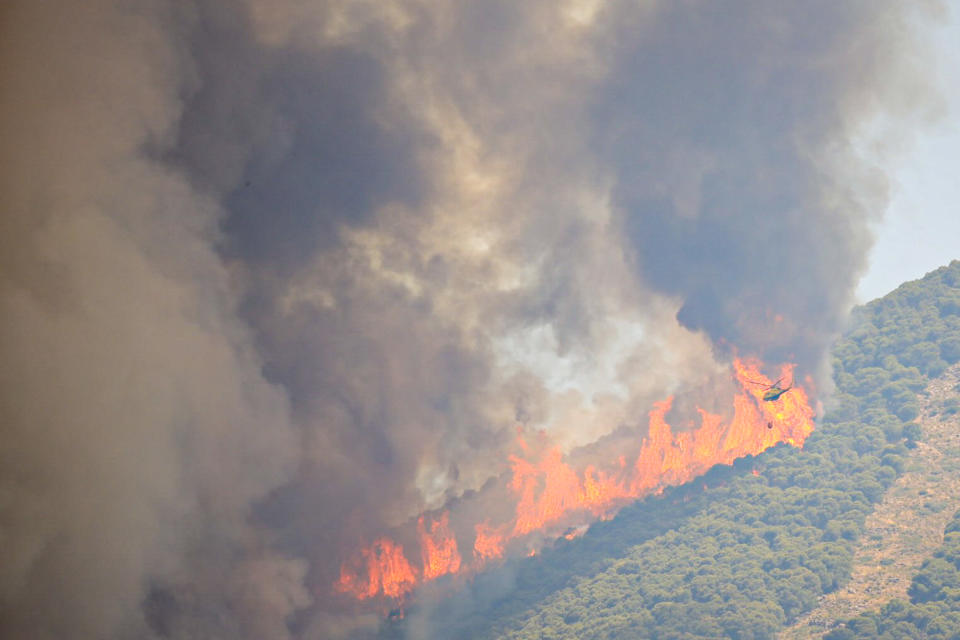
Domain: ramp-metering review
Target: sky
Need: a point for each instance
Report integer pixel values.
(921, 228)
(279, 277)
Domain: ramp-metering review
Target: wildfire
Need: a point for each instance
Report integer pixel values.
(438, 547)
(562, 491)
(387, 572)
(489, 543)
(548, 490)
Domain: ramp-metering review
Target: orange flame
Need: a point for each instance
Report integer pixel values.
(387, 572)
(575, 532)
(601, 488)
(561, 491)
(488, 544)
(438, 547)
(549, 489)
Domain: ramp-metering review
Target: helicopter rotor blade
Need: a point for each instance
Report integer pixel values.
(763, 384)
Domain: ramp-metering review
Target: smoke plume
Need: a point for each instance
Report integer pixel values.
(279, 275)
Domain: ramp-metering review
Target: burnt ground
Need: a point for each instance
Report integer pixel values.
(907, 526)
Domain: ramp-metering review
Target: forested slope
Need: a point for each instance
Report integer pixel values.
(933, 610)
(750, 553)
(906, 527)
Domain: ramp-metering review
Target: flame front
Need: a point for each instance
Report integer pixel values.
(560, 491)
(439, 548)
(488, 544)
(549, 489)
(387, 572)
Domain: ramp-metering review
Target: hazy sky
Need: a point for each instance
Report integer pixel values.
(921, 230)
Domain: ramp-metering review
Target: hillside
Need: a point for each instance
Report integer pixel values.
(735, 554)
(907, 526)
(933, 609)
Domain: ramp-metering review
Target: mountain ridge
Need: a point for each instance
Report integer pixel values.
(749, 554)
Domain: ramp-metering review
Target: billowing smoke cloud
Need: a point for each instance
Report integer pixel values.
(740, 185)
(137, 426)
(278, 276)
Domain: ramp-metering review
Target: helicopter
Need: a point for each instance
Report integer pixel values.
(773, 391)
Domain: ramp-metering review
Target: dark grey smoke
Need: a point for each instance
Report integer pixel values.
(735, 167)
(276, 276)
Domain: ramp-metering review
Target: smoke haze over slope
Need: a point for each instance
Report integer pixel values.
(282, 274)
